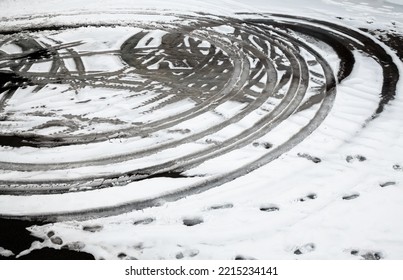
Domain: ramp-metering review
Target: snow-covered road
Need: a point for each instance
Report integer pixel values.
(204, 129)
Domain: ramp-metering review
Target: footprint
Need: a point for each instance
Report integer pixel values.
(355, 158)
(367, 255)
(190, 222)
(145, 221)
(123, 256)
(243, 257)
(265, 145)
(307, 248)
(354, 252)
(56, 240)
(269, 208)
(397, 167)
(76, 246)
(351, 196)
(221, 206)
(93, 228)
(386, 184)
(372, 256)
(179, 256)
(187, 254)
(309, 157)
(310, 196)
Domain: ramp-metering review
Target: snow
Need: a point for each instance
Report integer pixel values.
(325, 210)
(5, 252)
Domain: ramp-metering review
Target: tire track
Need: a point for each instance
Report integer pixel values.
(252, 61)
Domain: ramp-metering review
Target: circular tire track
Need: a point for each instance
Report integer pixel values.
(212, 62)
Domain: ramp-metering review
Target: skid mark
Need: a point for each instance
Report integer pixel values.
(172, 97)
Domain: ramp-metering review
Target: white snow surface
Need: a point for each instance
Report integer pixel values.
(312, 214)
(5, 252)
